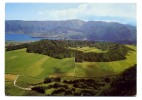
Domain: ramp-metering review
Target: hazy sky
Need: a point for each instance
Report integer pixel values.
(124, 13)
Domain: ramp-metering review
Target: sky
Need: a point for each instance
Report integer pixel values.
(110, 12)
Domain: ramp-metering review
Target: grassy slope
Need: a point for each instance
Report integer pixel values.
(88, 49)
(98, 69)
(11, 90)
(35, 65)
(33, 68)
(19, 62)
(40, 66)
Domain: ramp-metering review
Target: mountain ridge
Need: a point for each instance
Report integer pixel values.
(74, 29)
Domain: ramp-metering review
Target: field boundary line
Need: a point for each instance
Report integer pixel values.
(74, 67)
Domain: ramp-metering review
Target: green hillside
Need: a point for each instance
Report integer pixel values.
(33, 68)
(99, 69)
(36, 65)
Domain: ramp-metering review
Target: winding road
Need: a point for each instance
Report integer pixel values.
(19, 86)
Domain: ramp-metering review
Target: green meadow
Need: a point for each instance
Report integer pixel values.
(34, 68)
(36, 65)
(88, 49)
(41, 66)
(11, 90)
(100, 69)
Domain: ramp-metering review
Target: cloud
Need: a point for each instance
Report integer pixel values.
(40, 13)
(86, 11)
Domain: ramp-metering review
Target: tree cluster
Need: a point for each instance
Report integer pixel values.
(77, 87)
(123, 85)
(15, 47)
(61, 49)
(49, 80)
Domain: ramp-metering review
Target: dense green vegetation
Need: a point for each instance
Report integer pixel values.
(120, 85)
(49, 75)
(12, 46)
(38, 65)
(123, 85)
(61, 49)
(72, 86)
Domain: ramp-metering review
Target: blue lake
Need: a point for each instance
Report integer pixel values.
(21, 37)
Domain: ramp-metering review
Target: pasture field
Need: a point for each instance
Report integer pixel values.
(11, 90)
(100, 69)
(36, 65)
(40, 66)
(88, 49)
(33, 68)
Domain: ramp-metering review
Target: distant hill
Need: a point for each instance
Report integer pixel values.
(74, 29)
